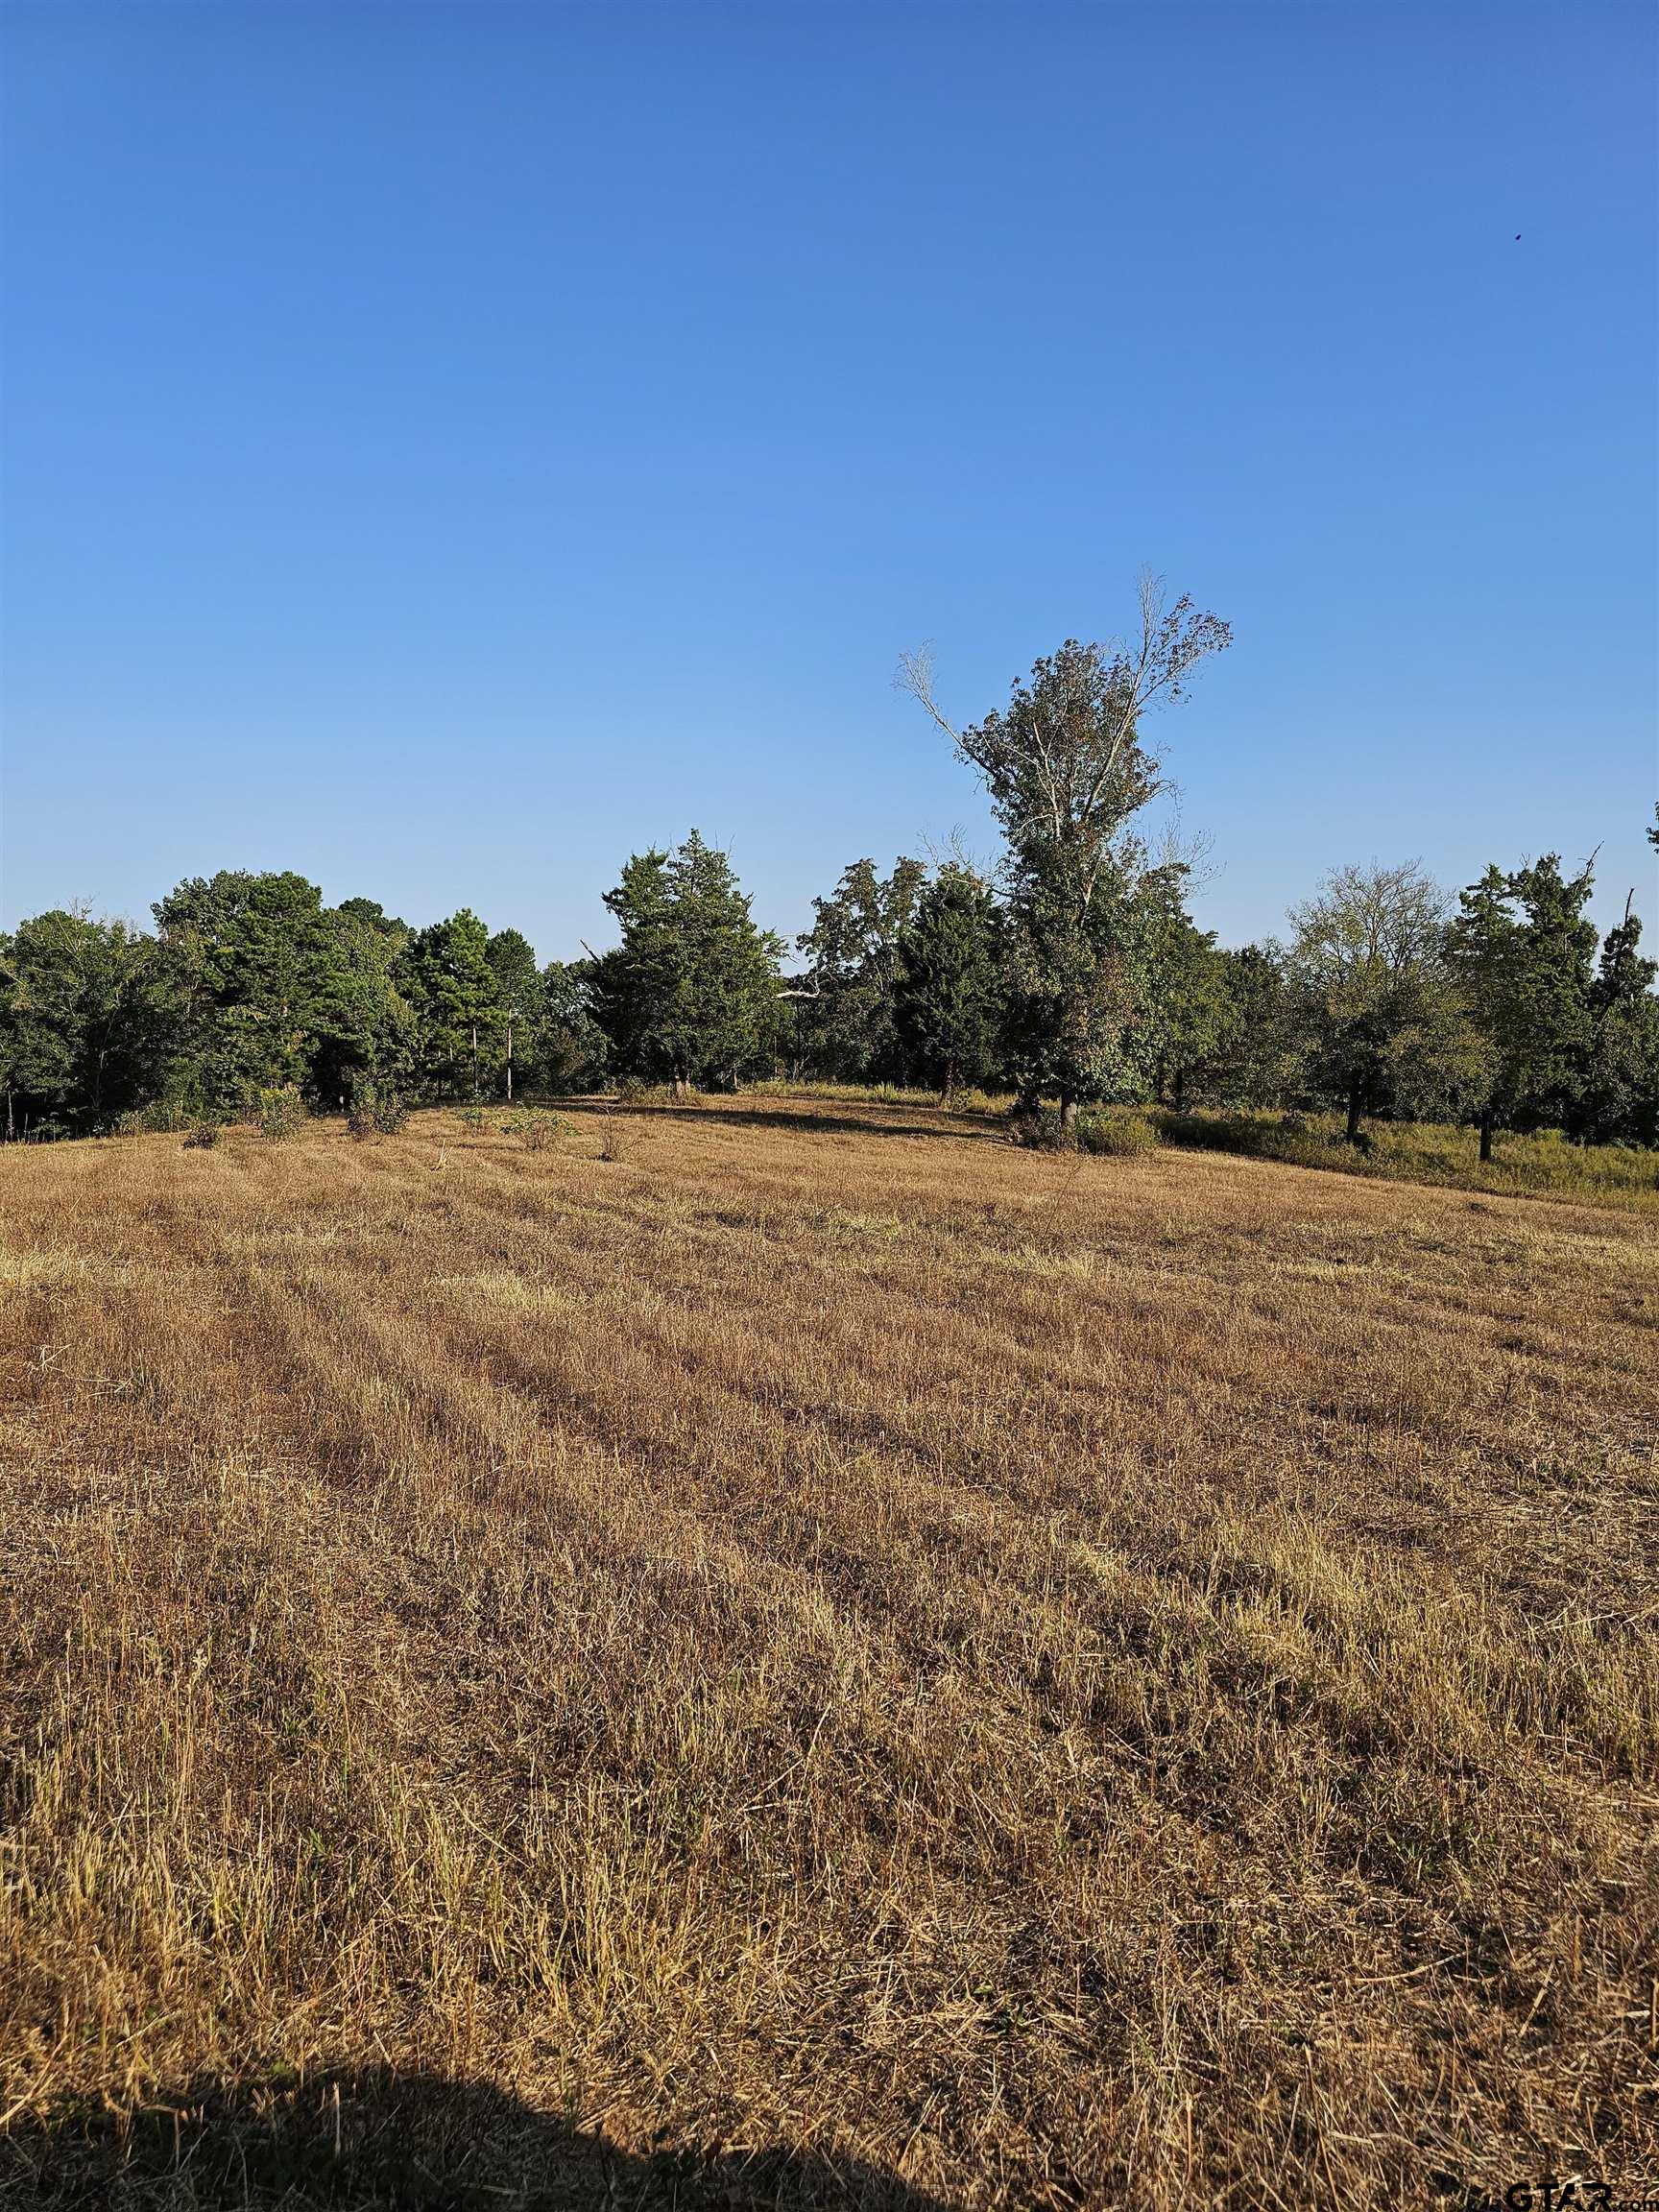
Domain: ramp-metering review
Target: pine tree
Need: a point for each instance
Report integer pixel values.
(452, 988)
(947, 992)
(691, 993)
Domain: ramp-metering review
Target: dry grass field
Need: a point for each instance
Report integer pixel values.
(818, 1658)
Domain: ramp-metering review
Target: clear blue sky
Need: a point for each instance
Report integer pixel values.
(448, 447)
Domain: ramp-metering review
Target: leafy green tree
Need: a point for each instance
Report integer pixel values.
(845, 1025)
(1191, 1015)
(1066, 771)
(1618, 1098)
(1256, 1060)
(947, 992)
(575, 1052)
(520, 997)
(1384, 1021)
(1524, 950)
(252, 968)
(79, 1029)
(452, 988)
(690, 996)
(366, 1036)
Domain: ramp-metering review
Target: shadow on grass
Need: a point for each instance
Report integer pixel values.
(416, 2143)
(872, 1121)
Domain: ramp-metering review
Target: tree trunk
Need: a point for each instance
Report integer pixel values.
(10, 1125)
(1068, 1114)
(680, 1087)
(1355, 1107)
(474, 1062)
(1486, 1133)
(1180, 1091)
(948, 1089)
(509, 1063)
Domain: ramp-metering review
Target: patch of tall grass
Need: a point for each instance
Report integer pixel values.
(1544, 1164)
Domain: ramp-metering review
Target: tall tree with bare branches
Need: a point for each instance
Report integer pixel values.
(1067, 769)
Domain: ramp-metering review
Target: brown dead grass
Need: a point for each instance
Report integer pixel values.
(986, 1678)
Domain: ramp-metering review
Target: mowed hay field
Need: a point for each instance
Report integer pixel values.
(820, 1658)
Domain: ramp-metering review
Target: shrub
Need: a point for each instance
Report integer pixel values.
(1040, 1129)
(614, 1140)
(1116, 1136)
(277, 1111)
(375, 1112)
(202, 1138)
(533, 1127)
(471, 1118)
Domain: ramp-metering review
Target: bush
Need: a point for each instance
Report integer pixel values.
(1116, 1136)
(202, 1138)
(471, 1118)
(277, 1111)
(533, 1127)
(614, 1140)
(1039, 1129)
(376, 1113)
(1096, 1130)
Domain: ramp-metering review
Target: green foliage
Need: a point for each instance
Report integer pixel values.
(1545, 1165)
(255, 979)
(948, 991)
(1116, 1136)
(1381, 1017)
(690, 996)
(849, 1030)
(276, 1110)
(521, 1005)
(367, 1034)
(574, 1053)
(79, 1021)
(452, 988)
(535, 1128)
(1523, 949)
(1066, 771)
(374, 1111)
(1618, 1100)
(1098, 1131)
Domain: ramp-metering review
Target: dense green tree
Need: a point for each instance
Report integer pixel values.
(1618, 1100)
(1191, 1014)
(520, 997)
(1256, 1060)
(1066, 771)
(1382, 1019)
(574, 1050)
(254, 974)
(1524, 950)
(366, 1033)
(79, 1021)
(452, 990)
(948, 991)
(845, 1022)
(690, 994)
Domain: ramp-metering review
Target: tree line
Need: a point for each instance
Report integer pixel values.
(1069, 973)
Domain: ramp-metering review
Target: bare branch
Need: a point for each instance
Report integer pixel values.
(914, 675)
